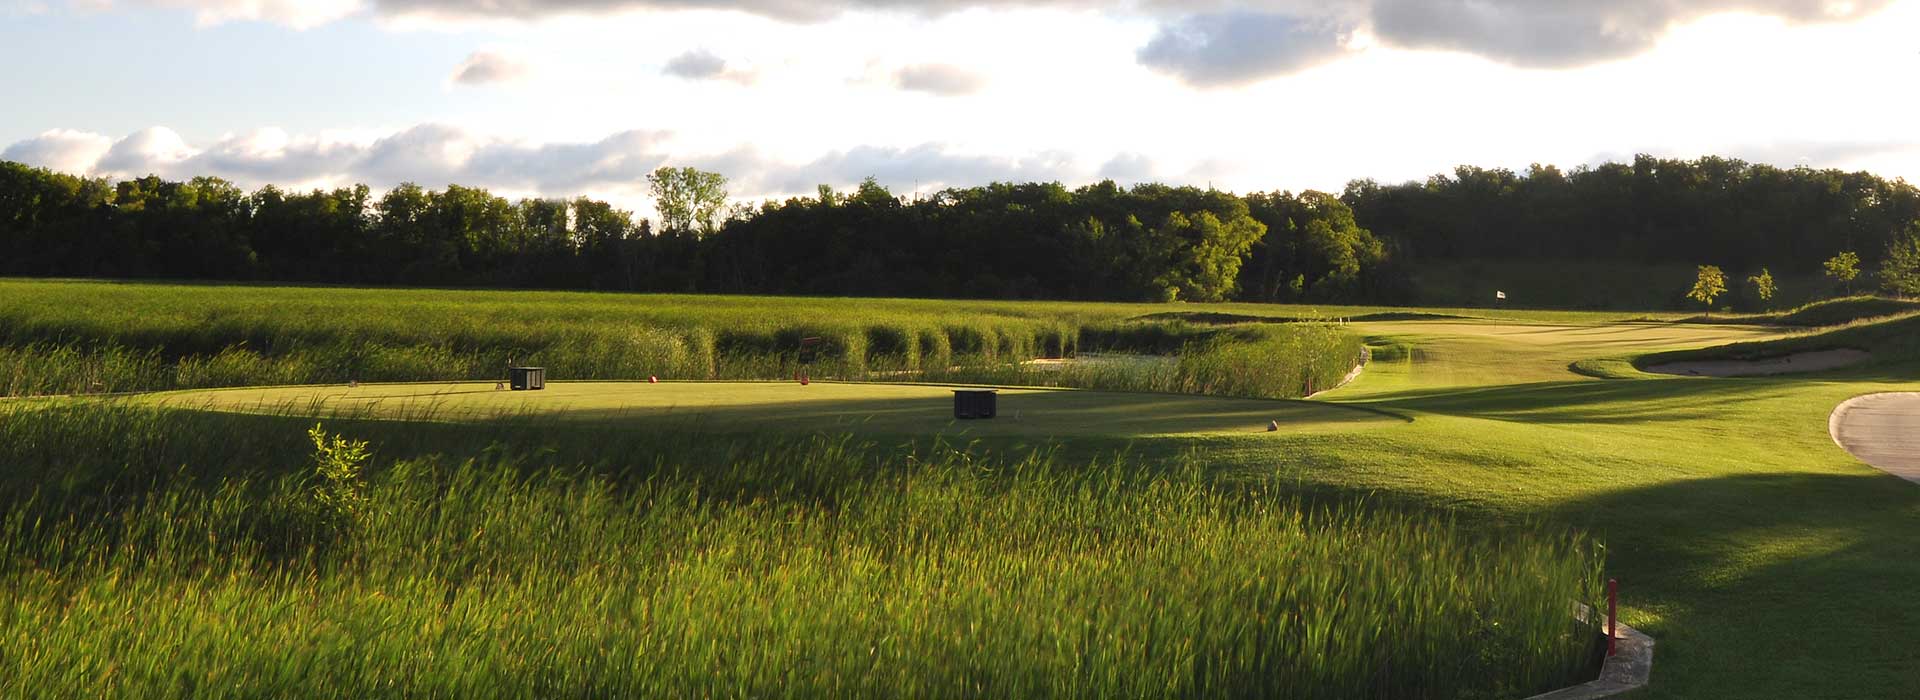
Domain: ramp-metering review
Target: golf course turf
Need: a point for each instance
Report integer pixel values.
(898, 409)
(1764, 559)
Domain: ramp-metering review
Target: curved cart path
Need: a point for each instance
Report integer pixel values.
(1882, 430)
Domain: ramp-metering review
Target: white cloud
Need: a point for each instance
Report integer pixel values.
(701, 64)
(299, 14)
(1558, 34)
(1204, 41)
(1233, 48)
(789, 10)
(435, 155)
(431, 154)
(64, 150)
(153, 150)
(698, 64)
(271, 155)
(623, 159)
(1128, 168)
(939, 79)
(1067, 94)
(490, 67)
(926, 166)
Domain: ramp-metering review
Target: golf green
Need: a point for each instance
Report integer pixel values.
(877, 408)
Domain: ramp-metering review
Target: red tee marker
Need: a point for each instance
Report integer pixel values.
(1613, 614)
(653, 380)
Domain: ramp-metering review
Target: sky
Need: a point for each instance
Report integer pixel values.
(584, 97)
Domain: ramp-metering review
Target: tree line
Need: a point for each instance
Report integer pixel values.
(1001, 240)
(1652, 210)
(1034, 240)
(1043, 240)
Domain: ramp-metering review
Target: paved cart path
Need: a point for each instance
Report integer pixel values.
(1882, 430)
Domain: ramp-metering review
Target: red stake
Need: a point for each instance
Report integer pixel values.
(1613, 615)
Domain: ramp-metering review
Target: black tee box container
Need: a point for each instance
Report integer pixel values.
(975, 403)
(527, 378)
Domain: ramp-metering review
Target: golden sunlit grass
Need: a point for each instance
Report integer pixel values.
(622, 552)
(148, 553)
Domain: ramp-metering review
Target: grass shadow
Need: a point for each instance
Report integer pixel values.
(1842, 545)
(1581, 401)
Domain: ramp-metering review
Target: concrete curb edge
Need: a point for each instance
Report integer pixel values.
(1628, 669)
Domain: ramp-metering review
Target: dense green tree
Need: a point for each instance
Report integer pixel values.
(1761, 285)
(1843, 268)
(688, 199)
(1708, 285)
(1313, 249)
(1651, 210)
(56, 224)
(319, 235)
(1900, 269)
(1207, 264)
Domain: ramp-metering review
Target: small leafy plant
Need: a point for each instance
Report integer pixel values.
(340, 497)
(1710, 284)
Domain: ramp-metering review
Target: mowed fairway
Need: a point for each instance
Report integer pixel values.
(1765, 560)
(899, 409)
(1470, 353)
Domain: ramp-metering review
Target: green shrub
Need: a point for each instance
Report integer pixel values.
(1014, 344)
(1293, 360)
(340, 494)
(893, 346)
(1147, 338)
(1389, 351)
(741, 342)
(702, 354)
(971, 339)
(936, 352)
(1059, 340)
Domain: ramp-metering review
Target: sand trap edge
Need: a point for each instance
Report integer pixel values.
(1796, 363)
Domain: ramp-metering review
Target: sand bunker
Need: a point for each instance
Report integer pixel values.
(1790, 364)
(1882, 430)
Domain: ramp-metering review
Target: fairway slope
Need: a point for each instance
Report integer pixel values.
(1461, 353)
(1830, 312)
(1728, 511)
(1870, 343)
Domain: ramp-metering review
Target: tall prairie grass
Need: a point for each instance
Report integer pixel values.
(147, 553)
(75, 338)
(1257, 361)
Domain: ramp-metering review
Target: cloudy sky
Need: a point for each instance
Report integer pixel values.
(562, 97)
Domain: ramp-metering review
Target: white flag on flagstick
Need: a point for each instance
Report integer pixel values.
(1499, 295)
